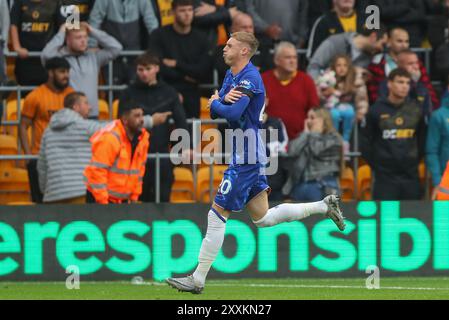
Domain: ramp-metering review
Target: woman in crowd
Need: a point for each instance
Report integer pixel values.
(316, 157)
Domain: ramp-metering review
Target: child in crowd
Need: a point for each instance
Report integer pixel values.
(343, 91)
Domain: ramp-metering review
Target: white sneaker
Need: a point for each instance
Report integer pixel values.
(334, 211)
(186, 284)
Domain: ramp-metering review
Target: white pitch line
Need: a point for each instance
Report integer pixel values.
(305, 286)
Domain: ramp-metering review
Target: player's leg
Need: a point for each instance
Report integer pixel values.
(211, 245)
(212, 242)
(264, 217)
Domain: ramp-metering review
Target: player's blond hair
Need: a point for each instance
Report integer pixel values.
(247, 38)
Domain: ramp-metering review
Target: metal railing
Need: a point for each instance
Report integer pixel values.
(197, 123)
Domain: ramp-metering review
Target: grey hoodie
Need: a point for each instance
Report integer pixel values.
(85, 67)
(65, 152)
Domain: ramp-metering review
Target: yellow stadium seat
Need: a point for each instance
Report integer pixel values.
(205, 115)
(364, 182)
(14, 186)
(8, 146)
(115, 109)
(183, 186)
(203, 182)
(103, 110)
(347, 184)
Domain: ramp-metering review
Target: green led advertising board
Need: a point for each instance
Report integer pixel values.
(159, 241)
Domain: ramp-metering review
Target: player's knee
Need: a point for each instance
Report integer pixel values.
(264, 222)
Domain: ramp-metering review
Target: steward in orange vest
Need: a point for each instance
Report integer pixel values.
(119, 154)
(443, 188)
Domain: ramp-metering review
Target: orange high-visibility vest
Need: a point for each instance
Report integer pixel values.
(114, 175)
(443, 188)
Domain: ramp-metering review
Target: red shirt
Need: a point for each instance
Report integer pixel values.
(291, 102)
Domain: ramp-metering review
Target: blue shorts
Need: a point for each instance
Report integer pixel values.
(240, 184)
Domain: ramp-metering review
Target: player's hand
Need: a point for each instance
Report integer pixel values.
(212, 99)
(233, 96)
(306, 126)
(160, 118)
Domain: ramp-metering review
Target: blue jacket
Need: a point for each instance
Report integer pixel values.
(437, 146)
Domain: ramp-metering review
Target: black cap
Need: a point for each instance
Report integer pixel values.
(57, 63)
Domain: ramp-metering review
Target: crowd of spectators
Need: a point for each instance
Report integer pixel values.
(347, 76)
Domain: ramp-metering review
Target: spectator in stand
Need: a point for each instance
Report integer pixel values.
(33, 23)
(85, 64)
(241, 22)
(317, 159)
(122, 20)
(154, 95)
(66, 150)
(37, 110)
(280, 20)
(437, 146)
(361, 47)
(84, 7)
(316, 10)
(392, 141)
(4, 31)
(384, 63)
(277, 21)
(442, 191)
(407, 14)
(214, 17)
(164, 12)
(184, 52)
(292, 93)
(343, 92)
(421, 88)
(344, 17)
(119, 154)
(275, 148)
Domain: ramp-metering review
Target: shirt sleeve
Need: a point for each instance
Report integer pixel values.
(30, 106)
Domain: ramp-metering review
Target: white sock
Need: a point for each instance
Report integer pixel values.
(212, 242)
(289, 212)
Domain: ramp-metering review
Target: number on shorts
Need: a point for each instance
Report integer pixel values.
(225, 187)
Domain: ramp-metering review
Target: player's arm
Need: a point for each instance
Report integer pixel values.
(230, 112)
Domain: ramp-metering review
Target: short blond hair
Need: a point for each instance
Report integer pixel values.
(248, 39)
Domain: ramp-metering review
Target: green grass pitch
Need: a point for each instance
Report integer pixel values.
(245, 289)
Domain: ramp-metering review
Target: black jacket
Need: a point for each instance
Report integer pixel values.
(157, 98)
(393, 139)
(327, 25)
(407, 14)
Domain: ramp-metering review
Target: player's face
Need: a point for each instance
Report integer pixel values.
(399, 87)
(183, 15)
(133, 120)
(82, 107)
(77, 41)
(60, 78)
(399, 41)
(147, 74)
(287, 60)
(341, 68)
(232, 51)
